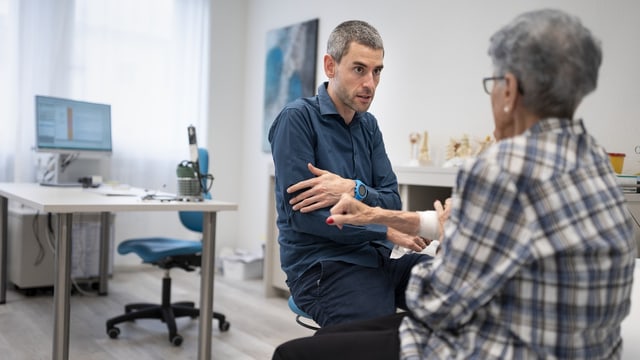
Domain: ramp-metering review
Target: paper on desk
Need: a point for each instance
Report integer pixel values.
(399, 251)
(119, 190)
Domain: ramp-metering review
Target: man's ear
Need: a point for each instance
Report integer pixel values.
(329, 66)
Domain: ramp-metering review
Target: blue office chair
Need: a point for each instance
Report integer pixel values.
(301, 315)
(167, 253)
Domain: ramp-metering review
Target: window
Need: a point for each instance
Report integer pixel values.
(148, 59)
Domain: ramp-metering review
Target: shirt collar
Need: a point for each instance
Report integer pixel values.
(326, 104)
(327, 107)
(556, 125)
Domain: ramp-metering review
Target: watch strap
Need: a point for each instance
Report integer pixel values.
(356, 191)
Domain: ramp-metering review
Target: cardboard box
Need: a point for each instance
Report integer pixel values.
(237, 268)
(242, 265)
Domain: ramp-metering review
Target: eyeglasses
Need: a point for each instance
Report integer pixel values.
(489, 82)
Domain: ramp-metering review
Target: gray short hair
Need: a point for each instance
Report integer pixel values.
(553, 56)
(349, 31)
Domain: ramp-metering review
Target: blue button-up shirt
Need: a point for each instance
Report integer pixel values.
(310, 130)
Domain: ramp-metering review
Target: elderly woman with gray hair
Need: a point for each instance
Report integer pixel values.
(537, 256)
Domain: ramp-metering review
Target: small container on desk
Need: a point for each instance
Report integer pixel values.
(617, 161)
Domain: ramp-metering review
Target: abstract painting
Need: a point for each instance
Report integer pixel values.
(290, 69)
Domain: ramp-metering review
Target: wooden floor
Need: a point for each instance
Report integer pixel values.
(258, 324)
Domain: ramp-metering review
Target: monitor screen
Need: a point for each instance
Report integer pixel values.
(70, 126)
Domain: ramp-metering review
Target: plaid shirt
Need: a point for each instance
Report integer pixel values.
(537, 259)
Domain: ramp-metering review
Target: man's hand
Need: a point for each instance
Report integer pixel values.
(321, 191)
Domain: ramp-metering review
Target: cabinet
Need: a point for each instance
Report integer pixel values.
(633, 202)
(274, 278)
(31, 254)
(419, 187)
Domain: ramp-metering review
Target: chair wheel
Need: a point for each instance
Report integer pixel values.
(224, 326)
(176, 340)
(113, 332)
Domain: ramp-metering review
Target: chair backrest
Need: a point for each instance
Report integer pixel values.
(192, 220)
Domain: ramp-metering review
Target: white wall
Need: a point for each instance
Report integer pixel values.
(435, 59)
(227, 109)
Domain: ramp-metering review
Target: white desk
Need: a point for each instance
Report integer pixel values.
(65, 202)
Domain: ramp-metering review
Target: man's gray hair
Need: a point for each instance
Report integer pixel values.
(352, 31)
(553, 56)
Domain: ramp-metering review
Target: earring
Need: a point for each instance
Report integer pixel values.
(506, 109)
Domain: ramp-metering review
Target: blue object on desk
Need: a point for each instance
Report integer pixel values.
(168, 253)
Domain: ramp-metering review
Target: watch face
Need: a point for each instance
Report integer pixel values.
(362, 191)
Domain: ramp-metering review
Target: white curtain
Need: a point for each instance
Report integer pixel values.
(8, 87)
(148, 59)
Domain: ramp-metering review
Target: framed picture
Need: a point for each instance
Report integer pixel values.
(290, 69)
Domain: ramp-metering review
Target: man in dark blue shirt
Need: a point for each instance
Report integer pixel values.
(322, 147)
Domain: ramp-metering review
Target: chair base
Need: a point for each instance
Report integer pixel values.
(301, 315)
(304, 324)
(167, 312)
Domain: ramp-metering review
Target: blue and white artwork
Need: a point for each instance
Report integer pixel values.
(290, 69)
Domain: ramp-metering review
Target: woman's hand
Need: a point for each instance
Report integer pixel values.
(443, 214)
(413, 242)
(351, 211)
(348, 210)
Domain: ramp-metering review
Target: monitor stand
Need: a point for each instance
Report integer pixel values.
(66, 170)
(52, 170)
(76, 184)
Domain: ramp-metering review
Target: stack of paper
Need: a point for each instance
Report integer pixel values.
(629, 183)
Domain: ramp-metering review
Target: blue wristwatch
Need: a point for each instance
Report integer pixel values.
(360, 191)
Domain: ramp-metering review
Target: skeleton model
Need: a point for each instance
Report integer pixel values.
(483, 145)
(424, 158)
(459, 148)
(414, 137)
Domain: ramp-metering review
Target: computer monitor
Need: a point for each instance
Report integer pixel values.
(70, 126)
